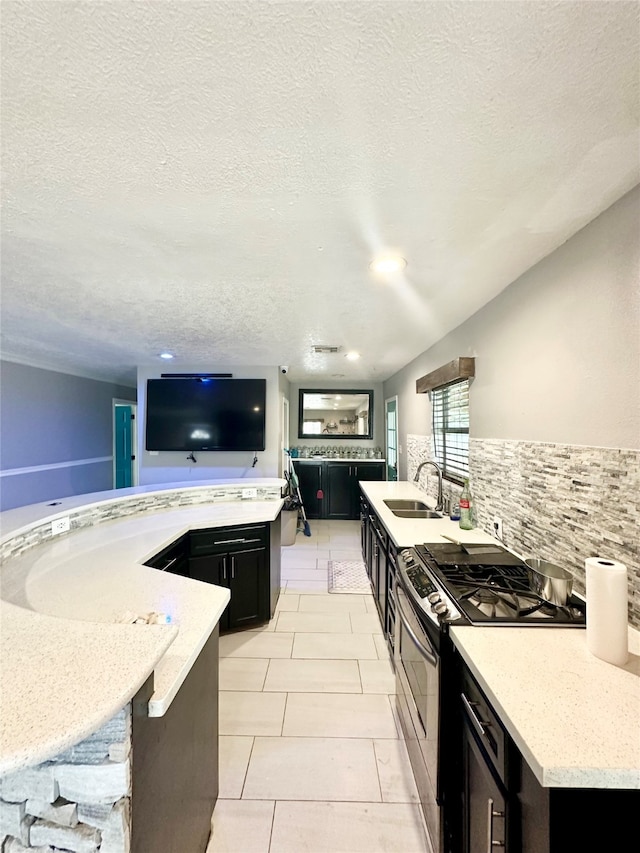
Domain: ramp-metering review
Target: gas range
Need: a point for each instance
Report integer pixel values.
(480, 585)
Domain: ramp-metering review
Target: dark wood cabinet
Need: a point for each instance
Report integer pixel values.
(174, 767)
(379, 554)
(235, 557)
(555, 820)
(364, 529)
(245, 574)
(310, 480)
(340, 491)
(246, 559)
(173, 559)
(331, 489)
(501, 805)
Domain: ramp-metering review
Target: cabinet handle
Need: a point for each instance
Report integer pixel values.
(170, 563)
(233, 541)
(233, 567)
(224, 568)
(491, 813)
(480, 726)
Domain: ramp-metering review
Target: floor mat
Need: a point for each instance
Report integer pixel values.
(348, 576)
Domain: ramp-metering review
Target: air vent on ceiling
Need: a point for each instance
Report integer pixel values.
(325, 348)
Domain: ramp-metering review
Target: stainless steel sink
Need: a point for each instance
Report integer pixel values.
(398, 504)
(416, 513)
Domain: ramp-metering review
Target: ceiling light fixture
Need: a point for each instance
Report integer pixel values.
(388, 264)
(166, 355)
(352, 356)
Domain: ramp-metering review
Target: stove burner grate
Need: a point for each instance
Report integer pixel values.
(500, 593)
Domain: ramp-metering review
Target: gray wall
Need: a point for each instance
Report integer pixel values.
(555, 404)
(173, 466)
(48, 422)
(557, 353)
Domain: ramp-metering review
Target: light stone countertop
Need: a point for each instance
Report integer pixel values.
(67, 664)
(574, 717)
(406, 532)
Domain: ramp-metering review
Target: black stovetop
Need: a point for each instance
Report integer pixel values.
(490, 585)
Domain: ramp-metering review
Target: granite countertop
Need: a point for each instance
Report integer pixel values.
(68, 663)
(574, 717)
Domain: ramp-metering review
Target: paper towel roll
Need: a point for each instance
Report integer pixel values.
(607, 630)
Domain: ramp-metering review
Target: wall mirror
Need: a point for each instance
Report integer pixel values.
(335, 414)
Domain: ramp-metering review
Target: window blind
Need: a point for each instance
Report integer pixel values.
(450, 414)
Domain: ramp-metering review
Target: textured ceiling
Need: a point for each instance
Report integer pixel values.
(214, 178)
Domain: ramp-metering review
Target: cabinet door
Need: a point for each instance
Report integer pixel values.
(364, 529)
(369, 471)
(249, 585)
(212, 569)
(366, 471)
(484, 805)
(380, 569)
(310, 480)
(340, 490)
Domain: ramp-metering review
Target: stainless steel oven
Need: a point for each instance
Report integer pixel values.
(417, 661)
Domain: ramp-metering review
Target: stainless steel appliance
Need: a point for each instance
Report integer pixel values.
(438, 586)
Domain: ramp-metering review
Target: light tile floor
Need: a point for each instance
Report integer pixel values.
(311, 760)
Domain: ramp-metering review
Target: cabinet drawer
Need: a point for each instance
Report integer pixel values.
(379, 529)
(226, 539)
(484, 722)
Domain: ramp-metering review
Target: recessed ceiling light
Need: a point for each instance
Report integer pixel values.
(166, 355)
(352, 356)
(387, 264)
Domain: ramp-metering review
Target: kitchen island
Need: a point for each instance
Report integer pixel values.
(571, 720)
(71, 658)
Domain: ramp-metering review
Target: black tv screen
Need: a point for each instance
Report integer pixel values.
(205, 414)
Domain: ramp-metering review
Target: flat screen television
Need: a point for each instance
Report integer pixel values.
(205, 414)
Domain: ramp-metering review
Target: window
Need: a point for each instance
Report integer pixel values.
(450, 413)
(313, 427)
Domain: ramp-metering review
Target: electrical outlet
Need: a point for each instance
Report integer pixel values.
(247, 494)
(497, 526)
(60, 525)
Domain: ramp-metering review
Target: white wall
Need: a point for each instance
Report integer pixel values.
(173, 466)
(557, 353)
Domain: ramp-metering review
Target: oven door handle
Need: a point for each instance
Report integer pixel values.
(429, 654)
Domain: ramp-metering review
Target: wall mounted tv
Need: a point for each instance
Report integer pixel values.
(205, 414)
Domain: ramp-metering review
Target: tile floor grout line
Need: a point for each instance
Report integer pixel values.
(246, 770)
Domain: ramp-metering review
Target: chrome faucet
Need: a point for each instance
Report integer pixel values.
(440, 503)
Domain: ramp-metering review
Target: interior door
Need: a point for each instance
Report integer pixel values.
(122, 420)
(391, 437)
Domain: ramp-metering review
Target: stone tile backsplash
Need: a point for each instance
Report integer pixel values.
(561, 502)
